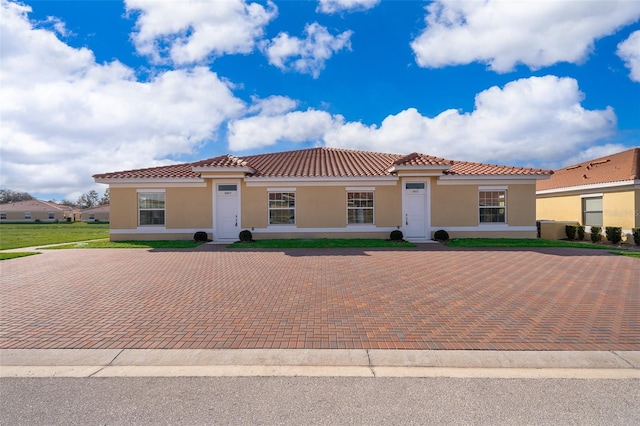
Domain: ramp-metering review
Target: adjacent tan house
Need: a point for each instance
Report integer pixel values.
(600, 192)
(95, 214)
(35, 211)
(323, 192)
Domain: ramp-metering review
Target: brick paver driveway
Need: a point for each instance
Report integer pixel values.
(424, 298)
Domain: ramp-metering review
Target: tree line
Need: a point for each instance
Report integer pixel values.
(85, 201)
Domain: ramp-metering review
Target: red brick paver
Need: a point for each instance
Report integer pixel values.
(424, 298)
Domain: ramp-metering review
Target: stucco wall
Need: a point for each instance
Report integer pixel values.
(321, 207)
(620, 208)
(189, 207)
(454, 205)
(123, 208)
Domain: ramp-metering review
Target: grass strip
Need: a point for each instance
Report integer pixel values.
(321, 243)
(627, 253)
(522, 242)
(15, 255)
(160, 244)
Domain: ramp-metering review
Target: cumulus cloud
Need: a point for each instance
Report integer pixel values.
(503, 33)
(65, 117)
(534, 119)
(308, 55)
(629, 52)
(262, 131)
(194, 30)
(333, 6)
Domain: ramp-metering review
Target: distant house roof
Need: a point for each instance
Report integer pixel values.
(97, 209)
(620, 167)
(320, 162)
(34, 206)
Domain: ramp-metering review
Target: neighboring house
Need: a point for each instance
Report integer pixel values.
(600, 192)
(35, 211)
(323, 192)
(95, 214)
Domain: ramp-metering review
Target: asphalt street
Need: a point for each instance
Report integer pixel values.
(314, 401)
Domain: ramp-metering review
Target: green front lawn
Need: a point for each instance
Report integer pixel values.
(322, 243)
(5, 256)
(521, 242)
(161, 244)
(16, 235)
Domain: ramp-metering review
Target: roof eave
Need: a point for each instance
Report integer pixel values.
(434, 167)
(205, 169)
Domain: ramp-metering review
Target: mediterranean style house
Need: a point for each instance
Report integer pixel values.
(35, 211)
(600, 192)
(322, 193)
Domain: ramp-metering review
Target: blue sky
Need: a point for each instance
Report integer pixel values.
(96, 86)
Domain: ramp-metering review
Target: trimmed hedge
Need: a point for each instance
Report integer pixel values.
(396, 235)
(245, 236)
(614, 234)
(595, 234)
(441, 235)
(570, 231)
(636, 235)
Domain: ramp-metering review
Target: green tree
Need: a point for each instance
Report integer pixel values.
(104, 201)
(88, 200)
(10, 196)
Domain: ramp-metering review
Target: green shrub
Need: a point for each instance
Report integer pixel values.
(396, 235)
(245, 236)
(636, 235)
(595, 234)
(614, 234)
(441, 235)
(570, 230)
(200, 236)
(580, 230)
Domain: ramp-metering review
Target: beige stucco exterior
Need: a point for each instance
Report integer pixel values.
(620, 207)
(321, 209)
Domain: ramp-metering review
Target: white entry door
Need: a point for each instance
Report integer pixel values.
(414, 202)
(227, 212)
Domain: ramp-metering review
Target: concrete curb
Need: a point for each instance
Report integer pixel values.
(305, 362)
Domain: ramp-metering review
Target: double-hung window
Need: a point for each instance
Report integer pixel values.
(592, 211)
(151, 208)
(492, 206)
(359, 207)
(282, 208)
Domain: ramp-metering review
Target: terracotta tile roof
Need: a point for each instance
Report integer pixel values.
(468, 168)
(320, 162)
(417, 159)
(622, 166)
(184, 170)
(221, 161)
(33, 206)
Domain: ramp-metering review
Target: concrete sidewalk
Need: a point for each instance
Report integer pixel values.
(318, 362)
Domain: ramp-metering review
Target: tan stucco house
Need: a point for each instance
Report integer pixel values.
(323, 192)
(35, 211)
(95, 214)
(601, 192)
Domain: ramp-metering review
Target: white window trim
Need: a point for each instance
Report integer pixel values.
(506, 210)
(295, 207)
(373, 209)
(151, 191)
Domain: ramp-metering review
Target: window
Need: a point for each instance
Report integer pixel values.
(92, 216)
(3, 216)
(27, 215)
(151, 208)
(592, 211)
(282, 208)
(359, 207)
(493, 206)
(51, 216)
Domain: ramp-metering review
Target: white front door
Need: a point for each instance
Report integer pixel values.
(414, 202)
(227, 212)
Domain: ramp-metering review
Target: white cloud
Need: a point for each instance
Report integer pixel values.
(193, 30)
(265, 130)
(308, 55)
(333, 6)
(537, 119)
(629, 51)
(272, 105)
(504, 33)
(65, 117)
